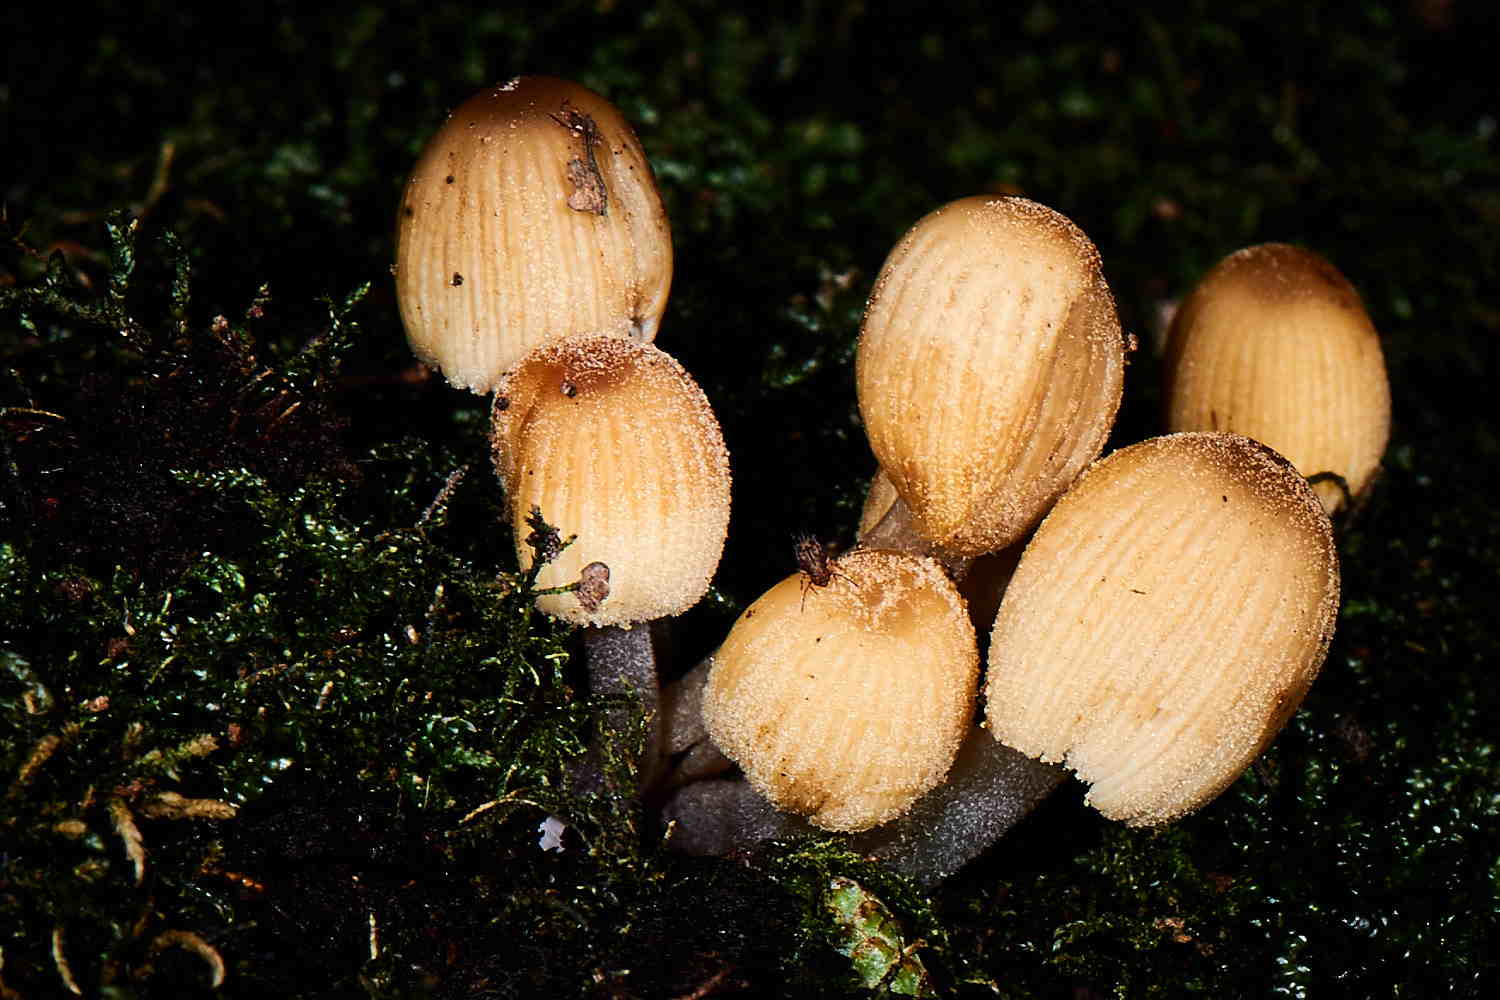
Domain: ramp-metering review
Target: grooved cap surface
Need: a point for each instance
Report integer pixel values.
(1165, 621)
(990, 368)
(532, 214)
(615, 443)
(1275, 344)
(844, 703)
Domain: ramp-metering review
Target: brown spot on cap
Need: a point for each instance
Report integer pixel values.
(593, 586)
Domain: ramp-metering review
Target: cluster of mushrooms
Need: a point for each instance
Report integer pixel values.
(1148, 621)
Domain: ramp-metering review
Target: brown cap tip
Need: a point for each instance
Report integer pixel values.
(616, 444)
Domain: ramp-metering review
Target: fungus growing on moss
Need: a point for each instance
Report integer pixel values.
(618, 446)
(532, 214)
(1275, 343)
(848, 701)
(990, 368)
(1165, 622)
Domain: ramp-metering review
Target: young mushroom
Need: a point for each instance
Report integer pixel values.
(616, 444)
(532, 214)
(989, 369)
(1275, 343)
(844, 701)
(1165, 621)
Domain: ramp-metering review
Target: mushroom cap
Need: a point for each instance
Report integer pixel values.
(615, 443)
(1275, 343)
(846, 702)
(531, 214)
(1165, 621)
(990, 368)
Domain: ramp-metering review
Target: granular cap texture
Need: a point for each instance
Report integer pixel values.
(1165, 621)
(845, 702)
(614, 443)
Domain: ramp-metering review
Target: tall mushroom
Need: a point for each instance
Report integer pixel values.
(1275, 343)
(532, 214)
(616, 444)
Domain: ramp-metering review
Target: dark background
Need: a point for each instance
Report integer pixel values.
(793, 145)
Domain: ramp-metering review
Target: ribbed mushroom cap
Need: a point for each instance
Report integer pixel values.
(616, 444)
(1275, 343)
(1165, 622)
(531, 214)
(990, 368)
(846, 702)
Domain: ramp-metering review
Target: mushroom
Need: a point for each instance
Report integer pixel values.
(617, 445)
(989, 368)
(1275, 343)
(1165, 621)
(844, 702)
(532, 214)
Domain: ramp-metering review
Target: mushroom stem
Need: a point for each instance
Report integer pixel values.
(897, 531)
(622, 664)
(990, 789)
(687, 754)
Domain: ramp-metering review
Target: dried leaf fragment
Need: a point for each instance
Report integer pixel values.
(130, 836)
(170, 805)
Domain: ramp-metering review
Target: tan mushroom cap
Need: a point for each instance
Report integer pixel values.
(845, 702)
(615, 443)
(990, 368)
(531, 214)
(1165, 622)
(1275, 343)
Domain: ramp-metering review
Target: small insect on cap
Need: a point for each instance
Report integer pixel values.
(990, 368)
(1275, 343)
(531, 214)
(845, 703)
(1165, 622)
(615, 443)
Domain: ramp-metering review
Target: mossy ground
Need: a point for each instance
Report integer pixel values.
(225, 571)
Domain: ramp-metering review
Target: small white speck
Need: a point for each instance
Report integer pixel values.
(551, 830)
